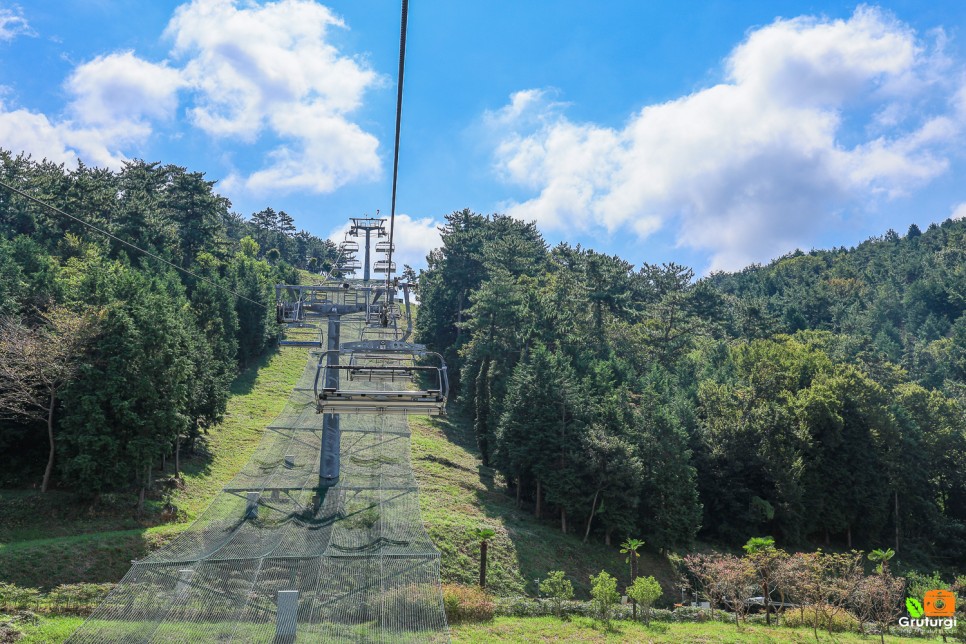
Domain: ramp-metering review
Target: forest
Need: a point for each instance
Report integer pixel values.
(115, 361)
(819, 399)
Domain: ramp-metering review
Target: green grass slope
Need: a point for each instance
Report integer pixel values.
(458, 495)
(60, 538)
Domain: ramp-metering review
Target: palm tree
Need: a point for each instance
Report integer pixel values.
(629, 548)
(484, 535)
(882, 557)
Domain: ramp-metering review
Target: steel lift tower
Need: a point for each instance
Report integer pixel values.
(368, 225)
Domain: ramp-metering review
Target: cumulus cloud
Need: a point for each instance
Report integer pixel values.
(114, 99)
(270, 68)
(242, 71)
(959, 211)
(13, 24)
(123, 87)
(756, 165)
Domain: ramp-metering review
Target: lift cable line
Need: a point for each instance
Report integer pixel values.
(319, 536)
(57, 210)
(395, 155)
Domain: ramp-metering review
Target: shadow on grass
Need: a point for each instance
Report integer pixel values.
(526, 548)
(244, 382)
(95, 558)
(198, 460)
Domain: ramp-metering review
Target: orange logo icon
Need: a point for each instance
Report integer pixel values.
(939, 603)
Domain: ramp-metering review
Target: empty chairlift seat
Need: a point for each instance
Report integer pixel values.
(349, 246)
(347, 387)
(384, 246)
(384, 266)
(348, 265)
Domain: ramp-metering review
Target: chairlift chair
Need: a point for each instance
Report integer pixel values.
(380, 361)
(288, 312)
(384, 266)
(384, 246)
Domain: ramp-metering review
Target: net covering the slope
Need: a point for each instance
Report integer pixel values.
(358, 555)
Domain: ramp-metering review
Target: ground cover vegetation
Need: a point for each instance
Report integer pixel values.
(818, 399)
(115, 364)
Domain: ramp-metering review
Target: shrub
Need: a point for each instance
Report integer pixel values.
(645, 591)
(76, 599)
(14, 597)
(9, 632)
(558, 589)
(467, 604)
(603, 588)
(836, 620)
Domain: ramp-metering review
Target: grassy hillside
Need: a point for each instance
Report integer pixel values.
(459, 495)
(61, 537)
(66, 541)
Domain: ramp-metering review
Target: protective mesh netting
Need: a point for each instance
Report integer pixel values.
(358, 555)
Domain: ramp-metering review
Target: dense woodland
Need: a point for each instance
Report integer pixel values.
(161, 346)
(819, 399)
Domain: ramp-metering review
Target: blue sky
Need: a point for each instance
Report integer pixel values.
(709, 133)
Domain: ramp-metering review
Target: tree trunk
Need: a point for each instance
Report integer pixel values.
(590, 519)
(767, 604)
(519, 487)
(483, 546)
(536, 511)
(563, 520)
(633, 577)
(607, 535)
(177, 457)
(897, 520)
(50, 438)
(848, 536)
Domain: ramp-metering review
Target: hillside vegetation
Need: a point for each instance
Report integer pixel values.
(819, 400)
(115, 362)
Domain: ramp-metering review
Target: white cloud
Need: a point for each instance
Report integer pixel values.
(114, 98)
(269, 68)
(756, 165)
(35, 134)
(13, 24)
(959, 211)
(244, 71)
(123, 88)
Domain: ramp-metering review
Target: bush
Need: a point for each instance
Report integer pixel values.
(9, 631)
(836, 620)
(467, 604)
(558, 589)
(603, 588)
(76, 599)
(14, 597)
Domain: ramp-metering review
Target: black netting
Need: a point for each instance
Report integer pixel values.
(356, 555)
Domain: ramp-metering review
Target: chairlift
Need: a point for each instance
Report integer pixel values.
(384, 247)
(288, 312)
(349, 246)
(380, 361)
(384, 266)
